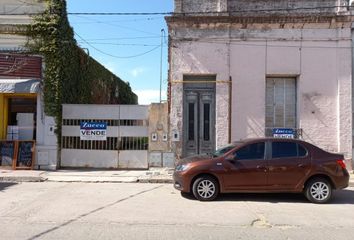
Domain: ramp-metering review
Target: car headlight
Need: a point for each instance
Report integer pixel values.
(182, 167)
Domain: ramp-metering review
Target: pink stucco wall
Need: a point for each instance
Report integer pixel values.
(318, 56)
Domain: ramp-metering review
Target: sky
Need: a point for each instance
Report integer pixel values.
(129, 46)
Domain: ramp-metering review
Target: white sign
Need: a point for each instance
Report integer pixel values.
(283, 133)
(93, 131)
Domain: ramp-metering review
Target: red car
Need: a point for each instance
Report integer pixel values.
(263, 165)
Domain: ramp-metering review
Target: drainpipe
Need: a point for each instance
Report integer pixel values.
(352, 51)
(230, 108)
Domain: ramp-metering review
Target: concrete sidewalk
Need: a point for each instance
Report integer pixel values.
(153, 175)
(21, 176)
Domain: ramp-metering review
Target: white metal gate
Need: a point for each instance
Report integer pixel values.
(126, 146)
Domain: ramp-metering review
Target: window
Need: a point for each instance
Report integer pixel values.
(280, 104)
(223, 150)
(252, 151)
(191, 123)
(287, 149)
(302, 151)
(206, 122)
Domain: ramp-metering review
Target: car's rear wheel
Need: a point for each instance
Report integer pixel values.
(205, 188)
(318, 190)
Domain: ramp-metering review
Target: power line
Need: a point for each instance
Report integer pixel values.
(214, 12)
(272, 42)
(255, 10)
(103, 39)
(120, 38)
(121, 13)
(115, 56)
(123, 21)
(120, 44)
(116, 25)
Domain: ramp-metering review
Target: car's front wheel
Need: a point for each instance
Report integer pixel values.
(205, 188)
(318, 190)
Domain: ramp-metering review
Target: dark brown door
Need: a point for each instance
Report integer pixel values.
(248, 168)
(288, 166)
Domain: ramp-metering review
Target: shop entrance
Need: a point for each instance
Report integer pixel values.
(18, 114)
(21, 118)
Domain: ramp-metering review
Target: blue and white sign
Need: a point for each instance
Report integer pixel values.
(283, 133)
(93, 131)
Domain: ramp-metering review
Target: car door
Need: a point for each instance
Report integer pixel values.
(246, 168)
(288, 165)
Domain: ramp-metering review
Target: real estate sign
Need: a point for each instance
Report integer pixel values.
(283, 133)
(93, 131)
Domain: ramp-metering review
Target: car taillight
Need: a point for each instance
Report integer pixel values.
(341, 163)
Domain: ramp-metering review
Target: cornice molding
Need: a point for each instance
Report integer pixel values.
(180, 20)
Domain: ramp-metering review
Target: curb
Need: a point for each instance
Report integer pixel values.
(42, 179)
(143, 179)
(22, 179)
(167, 181)
(86, 181)
(152, 180)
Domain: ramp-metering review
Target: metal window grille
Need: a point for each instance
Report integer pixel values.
(280, 104)
(112, 143)
(110, 122)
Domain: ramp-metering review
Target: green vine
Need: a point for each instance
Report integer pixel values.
(70, 75)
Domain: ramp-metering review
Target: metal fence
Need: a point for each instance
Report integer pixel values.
(126, 144)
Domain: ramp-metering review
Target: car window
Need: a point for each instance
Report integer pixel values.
(223, 150)
(287, 149)
(302, 151)
(251, 151)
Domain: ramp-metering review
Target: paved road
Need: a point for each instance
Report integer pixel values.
(157, 211)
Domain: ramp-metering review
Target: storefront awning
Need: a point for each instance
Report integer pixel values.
(19, 85)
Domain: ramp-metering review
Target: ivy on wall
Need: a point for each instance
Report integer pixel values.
(70, 75)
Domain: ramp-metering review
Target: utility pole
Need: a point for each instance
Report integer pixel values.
(162, 36)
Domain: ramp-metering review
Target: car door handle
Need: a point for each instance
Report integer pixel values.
(232, 161)
(301, 165)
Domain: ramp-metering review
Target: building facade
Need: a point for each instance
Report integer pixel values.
(242, 69)
(21, 85)
(29, 132)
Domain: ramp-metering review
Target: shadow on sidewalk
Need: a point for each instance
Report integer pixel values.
(5, 185)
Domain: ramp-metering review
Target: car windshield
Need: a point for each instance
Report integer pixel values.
(221, 151)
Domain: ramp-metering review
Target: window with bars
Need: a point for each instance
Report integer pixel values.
(280, 104)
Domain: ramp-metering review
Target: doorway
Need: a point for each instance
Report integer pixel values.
(21, 119)
(199, 115)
